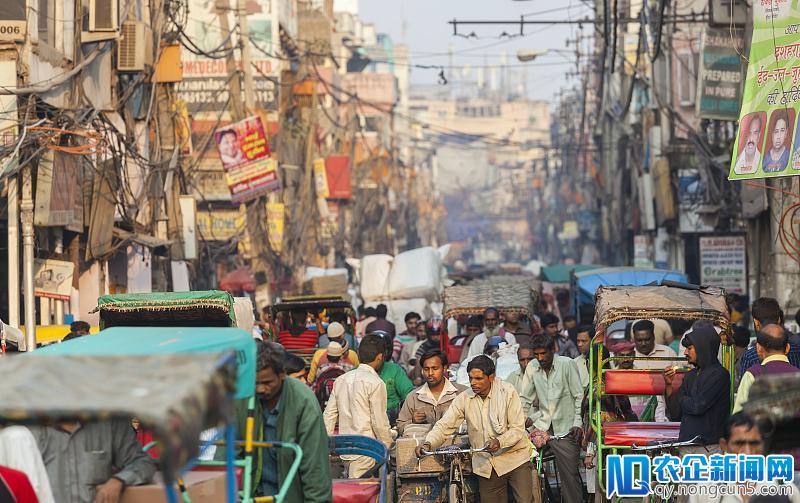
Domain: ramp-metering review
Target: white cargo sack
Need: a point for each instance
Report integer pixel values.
(416, 274)
(398, 308)
(374, 276)
(505, 364)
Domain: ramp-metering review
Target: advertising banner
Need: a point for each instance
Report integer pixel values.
(767, 144)
(723, 263)
(320, 178)
(719, 83)
(642, 251)
(245, 155)
(52, 278)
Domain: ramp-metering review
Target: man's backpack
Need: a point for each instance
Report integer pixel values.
(323, 384)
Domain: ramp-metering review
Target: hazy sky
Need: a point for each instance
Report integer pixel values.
(428, 36)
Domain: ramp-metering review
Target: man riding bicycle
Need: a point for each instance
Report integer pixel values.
(495, 421)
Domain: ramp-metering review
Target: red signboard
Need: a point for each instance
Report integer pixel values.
(337, 168)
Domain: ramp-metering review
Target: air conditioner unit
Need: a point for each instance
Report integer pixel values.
(103, 15)
(132, 47)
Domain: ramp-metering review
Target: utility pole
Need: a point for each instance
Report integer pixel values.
(13, 251)
(244, 40)
(230, 61)
(26, 207)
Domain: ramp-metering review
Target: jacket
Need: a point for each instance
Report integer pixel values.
(515, 448)
(420, 399)
(299, 422)
(703, 402)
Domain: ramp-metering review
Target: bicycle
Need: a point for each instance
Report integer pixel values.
(457, 456)
(546, 456)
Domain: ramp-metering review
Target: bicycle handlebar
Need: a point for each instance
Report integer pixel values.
(444, 451)
(668, 445)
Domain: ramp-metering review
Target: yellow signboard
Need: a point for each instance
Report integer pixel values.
(275, 225)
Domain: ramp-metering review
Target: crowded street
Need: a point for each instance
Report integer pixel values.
(373, 251)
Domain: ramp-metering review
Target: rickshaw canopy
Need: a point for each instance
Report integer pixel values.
(586, 283)
(145, 341)
(177, 396)
(210, 308)
(475, 298)
(311, 303)
(614, 303)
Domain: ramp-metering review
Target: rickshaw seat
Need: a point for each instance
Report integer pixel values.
(356, 490)
(637, 382)
(627, 434)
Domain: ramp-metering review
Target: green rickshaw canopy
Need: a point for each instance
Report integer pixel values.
(196, 309)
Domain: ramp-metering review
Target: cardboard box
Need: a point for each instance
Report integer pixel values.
(326, 285)
(203, 487)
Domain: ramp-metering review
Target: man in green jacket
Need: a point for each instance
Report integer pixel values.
(398, 385)
(287, 411)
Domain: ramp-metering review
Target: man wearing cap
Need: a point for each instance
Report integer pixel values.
(644, 339)
(338, 352)
(702, 404)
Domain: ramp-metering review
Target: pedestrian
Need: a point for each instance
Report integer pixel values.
(296, 367)
(381, 323)
(741, 435)
(583, 338)
(564, 346)
(644, 339)
(350, 339)
(358, 404)
(472, 328)
(398, 384)
(298, 335)
(433, 329)
(407, 357)
(493, 413)
(741, 343)
(702, 404)
(92, 462)
(554, 390)
(524, 356)
(369, 314)
(491, 328)
(77, 329)
(285, 410)
(772, 345)
(428, 403)
(342, 353)
(766, 311)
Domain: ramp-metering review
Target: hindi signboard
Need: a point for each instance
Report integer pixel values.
(767, 144)
(723, 263)
(244, 151)
(719, 83)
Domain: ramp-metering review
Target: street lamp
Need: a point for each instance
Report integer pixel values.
(526, 55)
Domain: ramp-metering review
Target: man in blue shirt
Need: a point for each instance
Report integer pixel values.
(767, 311)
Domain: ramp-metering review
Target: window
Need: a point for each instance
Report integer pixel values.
(687, 77)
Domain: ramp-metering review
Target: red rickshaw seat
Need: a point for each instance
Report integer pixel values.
(637, 382)
(627, 434)
(356, 490)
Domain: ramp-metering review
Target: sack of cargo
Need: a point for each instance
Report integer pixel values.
(398, 308)
(374, 276)
(416, 274)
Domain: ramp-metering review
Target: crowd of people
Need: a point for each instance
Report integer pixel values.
(376, 382)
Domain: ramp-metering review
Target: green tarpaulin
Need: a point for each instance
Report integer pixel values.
(143, 341)
(560, 273)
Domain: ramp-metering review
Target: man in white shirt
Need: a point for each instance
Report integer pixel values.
(491, 322)
(358, 403)
(644, 339)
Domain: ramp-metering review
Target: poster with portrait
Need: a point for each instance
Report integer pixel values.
(767, 143)
(244, 151)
